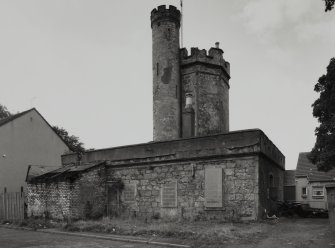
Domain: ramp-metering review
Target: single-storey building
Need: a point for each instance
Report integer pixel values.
(234, 176)
(310, 183)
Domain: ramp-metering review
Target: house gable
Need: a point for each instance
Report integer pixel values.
(26, 138)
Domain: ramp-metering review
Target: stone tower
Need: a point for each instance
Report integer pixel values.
(206, 78)
(190, 91)
(165, 24)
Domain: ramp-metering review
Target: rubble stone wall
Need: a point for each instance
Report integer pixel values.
(239, 187)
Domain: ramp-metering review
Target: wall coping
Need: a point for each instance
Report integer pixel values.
(232, 144)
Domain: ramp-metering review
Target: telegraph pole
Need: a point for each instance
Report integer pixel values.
(181, 25)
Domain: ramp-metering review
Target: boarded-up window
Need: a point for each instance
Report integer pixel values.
(169, 195)
(129, 192)
(213, 187)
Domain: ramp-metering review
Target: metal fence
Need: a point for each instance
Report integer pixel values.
(11, 206)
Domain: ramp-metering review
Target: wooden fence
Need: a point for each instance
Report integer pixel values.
(12, 206)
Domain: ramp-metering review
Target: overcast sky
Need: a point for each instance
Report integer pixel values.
(86, 65)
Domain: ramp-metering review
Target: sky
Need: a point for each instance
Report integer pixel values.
(86, 65)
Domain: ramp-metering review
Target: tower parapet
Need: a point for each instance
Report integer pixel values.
(164, 14)
(214, 57)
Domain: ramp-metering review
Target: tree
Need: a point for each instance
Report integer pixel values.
(4, 113)
(323, 152)
(72, 141)
(329, 5)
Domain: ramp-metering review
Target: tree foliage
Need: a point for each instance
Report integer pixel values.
(329, 5)
(323, 152)
(72, 141)
(4, 113)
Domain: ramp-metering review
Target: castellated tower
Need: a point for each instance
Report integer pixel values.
(190, 91)
(206, 78)
(165, 24)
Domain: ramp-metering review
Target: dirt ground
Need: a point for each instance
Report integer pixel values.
(297, 233)
(10, 238)
(283, 232)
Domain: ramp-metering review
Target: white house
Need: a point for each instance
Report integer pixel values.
(310, 183)
(26, 138)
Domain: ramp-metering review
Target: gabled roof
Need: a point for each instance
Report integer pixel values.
(289, 178)
(306, 169)
(13, 117)
(16, 116)
(64, 173)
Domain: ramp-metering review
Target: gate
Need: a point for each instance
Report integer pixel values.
(12, 205)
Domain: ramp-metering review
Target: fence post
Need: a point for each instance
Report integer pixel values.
(21, 206)
(5, 203)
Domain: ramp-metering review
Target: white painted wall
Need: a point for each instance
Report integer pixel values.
(314, 202)
(27, 140)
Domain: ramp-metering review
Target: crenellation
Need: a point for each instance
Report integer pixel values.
(161, 13)
(214, 57)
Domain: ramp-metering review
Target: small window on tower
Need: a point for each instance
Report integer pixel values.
(168, 34)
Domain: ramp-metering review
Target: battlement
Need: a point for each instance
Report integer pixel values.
(161, 13)
(213, 57)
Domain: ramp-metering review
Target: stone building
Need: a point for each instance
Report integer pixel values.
(194, 169)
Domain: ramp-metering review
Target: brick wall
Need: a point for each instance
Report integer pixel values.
(62, 198)
(49, 199)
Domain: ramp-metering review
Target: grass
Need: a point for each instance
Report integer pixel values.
(201, 233)
(198, 234)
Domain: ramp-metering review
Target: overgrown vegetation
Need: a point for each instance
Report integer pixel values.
(201, 233)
